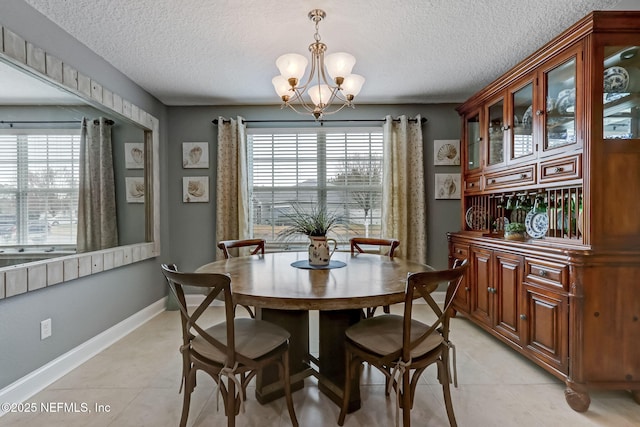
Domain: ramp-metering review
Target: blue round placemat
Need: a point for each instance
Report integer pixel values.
(305, 264)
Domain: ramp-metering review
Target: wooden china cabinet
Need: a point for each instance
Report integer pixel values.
(555, 144)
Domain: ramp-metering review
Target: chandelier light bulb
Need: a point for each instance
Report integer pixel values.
(320, 95)
(352, 85)
(292, 65)
(339, 64)
(282, 87)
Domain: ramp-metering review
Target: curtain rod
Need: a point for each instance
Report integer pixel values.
(25, 122)
(423, 120)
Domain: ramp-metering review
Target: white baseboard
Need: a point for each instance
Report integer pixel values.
(35, 381)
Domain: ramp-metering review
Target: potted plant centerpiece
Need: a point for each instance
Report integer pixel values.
(315, 223)
(515, 231)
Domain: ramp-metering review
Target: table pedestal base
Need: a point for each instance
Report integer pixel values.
(297, 323)
(330, 365)
(331, 362)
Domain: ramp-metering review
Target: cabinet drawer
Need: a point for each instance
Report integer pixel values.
(546, 273)
(561, 169)
(511, 178)
(472, 183)
(460, 251)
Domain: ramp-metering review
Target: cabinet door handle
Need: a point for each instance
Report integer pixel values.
(471, 184)
(491, 290)
(539, 112)
(479, 139)
(523, 316)
(559, 169)
(466, 288)
(459, 251)
(493, 181)
(543, 273)
(505, 127)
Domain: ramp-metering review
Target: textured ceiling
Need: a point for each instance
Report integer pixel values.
(205, 52)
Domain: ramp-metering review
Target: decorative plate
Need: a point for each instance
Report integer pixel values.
(616, 79)
(537, 224)
(476, 218)
(566, 101)
(527, 117)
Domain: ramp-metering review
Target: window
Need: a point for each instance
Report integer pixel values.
(39, 187)
(338, 168)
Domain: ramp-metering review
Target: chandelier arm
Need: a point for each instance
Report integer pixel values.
(304, 104)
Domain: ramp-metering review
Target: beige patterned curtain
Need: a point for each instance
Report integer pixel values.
(232, 191)
(97, 223)
(403, 194)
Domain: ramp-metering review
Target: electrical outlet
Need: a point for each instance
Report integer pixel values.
(45, 329)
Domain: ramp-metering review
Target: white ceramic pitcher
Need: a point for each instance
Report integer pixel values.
(319, 251)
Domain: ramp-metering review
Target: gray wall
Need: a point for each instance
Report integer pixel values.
(193, 225)
(82, 308)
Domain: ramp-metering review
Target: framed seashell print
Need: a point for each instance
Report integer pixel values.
(195, 189)
(135, 189)
(134, 155)
(446, 152)
(447, 185)
(195, 155)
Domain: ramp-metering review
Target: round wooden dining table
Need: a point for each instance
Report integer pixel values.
(283, 294)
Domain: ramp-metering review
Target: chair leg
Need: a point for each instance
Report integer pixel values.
(231, 403)
(446, 391)
(189, 385)
(287, 388)
(386, 309)
(347, 387)
(406, 399)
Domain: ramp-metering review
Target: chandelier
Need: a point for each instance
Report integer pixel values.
(339, 87)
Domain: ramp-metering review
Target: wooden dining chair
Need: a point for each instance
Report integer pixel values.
(235, 349)
(226, 245)
(397, 345)
(357, 243)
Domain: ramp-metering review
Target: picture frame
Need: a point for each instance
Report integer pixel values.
(195, 189)
(447, 186)
(195, 155)
(134, 155)
(135, 189)
(446, 152)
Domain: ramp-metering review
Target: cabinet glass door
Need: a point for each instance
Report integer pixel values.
(621, 92)
(560, 117)
(522, 135)
(473, 142)
(496, 133)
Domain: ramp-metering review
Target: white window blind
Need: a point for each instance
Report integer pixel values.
(338, 168)
(39, 187)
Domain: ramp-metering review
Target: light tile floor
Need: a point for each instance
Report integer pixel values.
(139, 377)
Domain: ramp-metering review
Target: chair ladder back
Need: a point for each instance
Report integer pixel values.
(225, 245)
(423, 284)
(215, 283)
(355, 243)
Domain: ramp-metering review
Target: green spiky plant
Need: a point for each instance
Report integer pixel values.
(316, 221)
